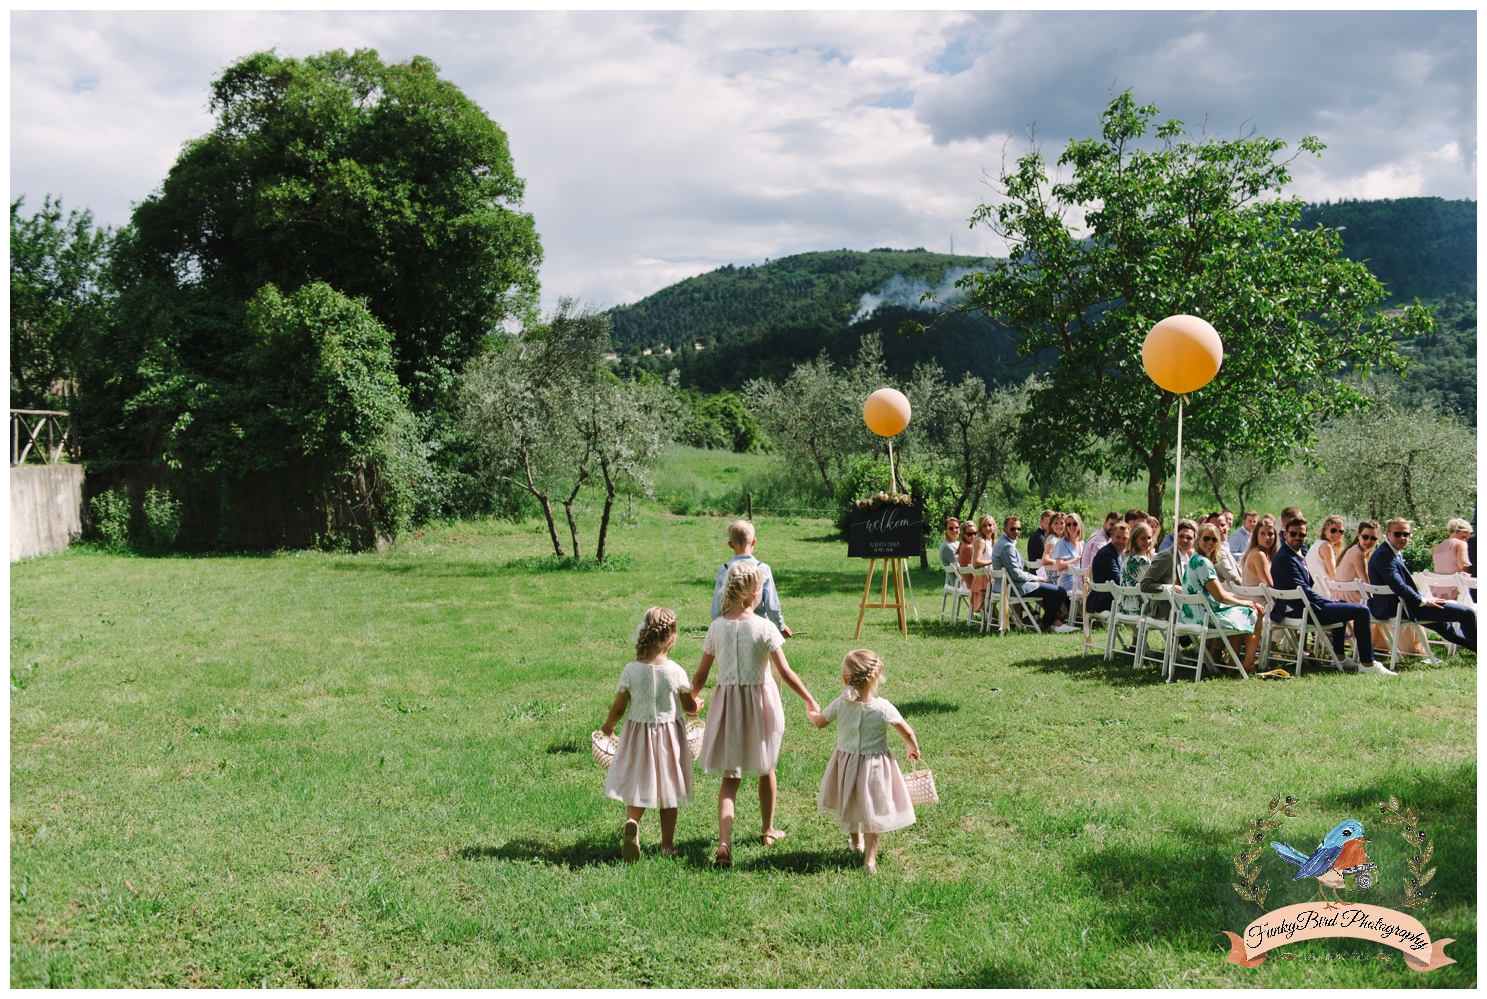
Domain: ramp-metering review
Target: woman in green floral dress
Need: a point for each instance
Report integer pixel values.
(1235, 613)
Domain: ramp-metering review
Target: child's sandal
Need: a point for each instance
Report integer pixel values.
(774, 836)
(724, 856)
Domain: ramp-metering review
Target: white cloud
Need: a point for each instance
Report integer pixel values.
(659, 145)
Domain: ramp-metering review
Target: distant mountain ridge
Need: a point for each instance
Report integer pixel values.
(760, 320)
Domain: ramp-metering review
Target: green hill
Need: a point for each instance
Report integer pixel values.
(758, 321)
(1422, 248)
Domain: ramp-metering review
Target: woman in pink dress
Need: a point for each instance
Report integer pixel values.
(1450, 557)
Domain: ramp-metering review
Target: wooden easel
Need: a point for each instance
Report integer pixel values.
(896, 568)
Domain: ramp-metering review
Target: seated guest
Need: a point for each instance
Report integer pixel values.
(1291, 573)
(1321, 557)
(1228, 521)
(1156, 530)
(1169, 567)
(1066, 552)
(1287, 515)
(1228, 609)
(967, 542)
(981, 559)
(1035, 540)
(1106, 567)
(1006, 558)
(1223, 560)
(1100, 540)
(1239, 539)
(1450, 556)
(949, 553)
(1057, 522)
(1137, 561)
(1261, 553)
(1353, 567)
(1454, 622)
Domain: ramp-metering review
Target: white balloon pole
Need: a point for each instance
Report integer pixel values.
(1177, 490)
(892, 474)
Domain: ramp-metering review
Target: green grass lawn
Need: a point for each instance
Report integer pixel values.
(372, 770)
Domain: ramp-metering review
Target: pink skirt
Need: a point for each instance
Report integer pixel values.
(652, 766)
(866, 790)
(744, 727)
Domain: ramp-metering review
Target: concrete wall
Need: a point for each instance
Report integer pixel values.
(46, 508)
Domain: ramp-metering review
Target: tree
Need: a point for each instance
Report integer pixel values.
(1398, 461)
(1237, 475)
(1137, 234)
(523, 403)
(972, 433)
(55, 299)
(632, 423)
(384, 181)
(814, 417)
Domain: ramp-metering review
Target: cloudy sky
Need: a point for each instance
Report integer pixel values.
(657, 146)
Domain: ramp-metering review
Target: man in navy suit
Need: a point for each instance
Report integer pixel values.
(1289, 572)
(1454, 622)
(1106, 566)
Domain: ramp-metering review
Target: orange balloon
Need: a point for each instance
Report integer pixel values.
(886, 412)
(1182, 354)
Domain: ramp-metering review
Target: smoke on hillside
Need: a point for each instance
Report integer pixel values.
(906, 293)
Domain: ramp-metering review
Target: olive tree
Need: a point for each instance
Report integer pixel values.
(1150, 225)
(1394, 460)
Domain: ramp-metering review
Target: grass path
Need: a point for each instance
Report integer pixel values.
(370, 770)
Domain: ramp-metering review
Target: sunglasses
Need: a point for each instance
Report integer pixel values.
(1368, 537)
(1399, 534)
(1295, 534)
(1334, 530)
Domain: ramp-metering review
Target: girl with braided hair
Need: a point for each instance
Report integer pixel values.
(862, 786)
(747, 720)
(652, 765)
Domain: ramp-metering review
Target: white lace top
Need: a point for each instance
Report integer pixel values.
(742, 649)
(862, 728)
(653, 691)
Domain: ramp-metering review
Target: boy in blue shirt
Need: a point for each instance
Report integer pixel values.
(741, 539)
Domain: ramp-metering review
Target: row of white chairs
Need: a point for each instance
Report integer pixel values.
(1006, 608)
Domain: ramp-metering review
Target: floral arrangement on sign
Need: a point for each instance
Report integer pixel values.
(882, 499)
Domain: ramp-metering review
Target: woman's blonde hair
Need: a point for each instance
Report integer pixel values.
(1210, 529)
(861, 667)
(743, 578)
(1141, 530)
(1077, 521)
(656, 630)
(987, 526)
(1457, 524)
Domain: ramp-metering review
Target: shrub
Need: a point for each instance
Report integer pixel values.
(111, 517)
(162, 520)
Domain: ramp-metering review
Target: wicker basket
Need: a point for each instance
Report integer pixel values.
(603, 747)
(921, 785)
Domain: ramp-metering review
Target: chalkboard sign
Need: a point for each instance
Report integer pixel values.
(888, 531)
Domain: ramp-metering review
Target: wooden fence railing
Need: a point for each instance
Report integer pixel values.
(44, 434)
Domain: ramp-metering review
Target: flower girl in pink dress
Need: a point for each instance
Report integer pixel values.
(863, 787)
(747, 720)
(652, 766)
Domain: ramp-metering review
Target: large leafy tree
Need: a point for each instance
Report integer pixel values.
(55, 300)
(383, 181)
(1147, 226)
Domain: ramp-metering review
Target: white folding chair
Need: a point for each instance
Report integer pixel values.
(1017, 610)
(1394, 624)
(1432, 583)
(1206, 624)
(955, 588)
(1120, 614)
(983, 617)
(1308, 625)
(1155, 623)
(1468, 584)
(1077, 594)
(1104, 616)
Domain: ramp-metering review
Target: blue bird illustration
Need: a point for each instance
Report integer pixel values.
(1339, 853)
